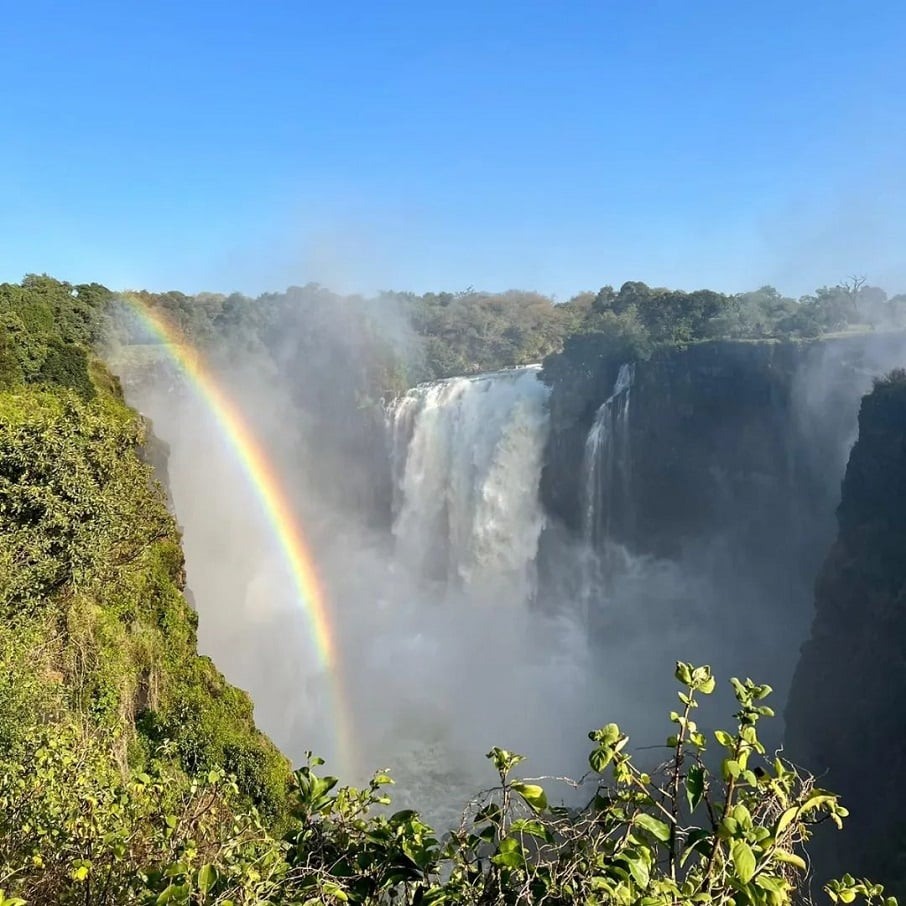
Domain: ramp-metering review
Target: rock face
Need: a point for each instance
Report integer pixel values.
(845, 715)
(735, 455)
(718, 431)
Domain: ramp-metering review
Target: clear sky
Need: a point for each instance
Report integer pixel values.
(436, 145)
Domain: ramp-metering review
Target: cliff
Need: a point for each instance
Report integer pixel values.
(717, 426)
(735, 454)
(94, 625)
(844, 715)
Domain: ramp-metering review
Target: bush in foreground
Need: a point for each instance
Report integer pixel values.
(73, 830)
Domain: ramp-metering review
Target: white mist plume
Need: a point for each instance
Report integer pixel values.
(443, 653)
(436, 669)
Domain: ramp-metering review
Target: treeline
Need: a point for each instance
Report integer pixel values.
(395, 340)
(674, 317)
(46, 328)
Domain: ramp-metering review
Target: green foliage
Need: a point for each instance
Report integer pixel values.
(66, 365)
(47, 327)
(683, 833)
(90, 577)
(377, 348)
(73, 829)
(10, 368)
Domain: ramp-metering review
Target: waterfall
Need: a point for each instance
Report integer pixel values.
(607, 464)
(467, 456)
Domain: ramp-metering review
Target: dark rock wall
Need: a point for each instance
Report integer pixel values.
(718, 430)
(846, 716)
(743, 438)
(737, 453)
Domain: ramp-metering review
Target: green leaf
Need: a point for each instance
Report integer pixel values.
(816, 799)
(743, 816)
(776, 886)
(531, 827)
(600, 758)
(725, 739)
(658, 829)
(762, 691)
(207, 877)
(532, 794)
(609, 734)
(790, 858)
(784, 821)
(509, 853)
(406, 814)
(743, 860)
(638, 868)
(503, 759)
(333, 890)
(699, 840)
(695, 786)
(11, 901)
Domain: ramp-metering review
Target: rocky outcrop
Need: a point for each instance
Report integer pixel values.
(845, 716)
(736, 452)
(741, 435)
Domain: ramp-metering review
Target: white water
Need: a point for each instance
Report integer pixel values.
(467, 456)
(442, 650)
(473, 664)
(607, 465)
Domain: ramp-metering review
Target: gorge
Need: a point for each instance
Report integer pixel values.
(544, 536)
(512, 556)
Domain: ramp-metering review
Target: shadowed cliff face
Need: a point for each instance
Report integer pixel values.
(713, 426)
(845, 712)
(735, 455)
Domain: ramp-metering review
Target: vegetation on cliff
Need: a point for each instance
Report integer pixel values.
(99, 673)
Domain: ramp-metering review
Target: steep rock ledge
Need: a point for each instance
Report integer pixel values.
(845, 712)
(737, 435)
(735, 455)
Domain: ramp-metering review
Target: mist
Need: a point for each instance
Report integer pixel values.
(465, 615)
(434, 668)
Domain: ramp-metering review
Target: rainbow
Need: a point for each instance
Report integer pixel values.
(266, 484)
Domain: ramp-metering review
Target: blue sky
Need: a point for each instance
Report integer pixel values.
(251, 145)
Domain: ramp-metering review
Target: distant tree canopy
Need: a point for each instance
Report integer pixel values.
(46, 326)
(386, 343)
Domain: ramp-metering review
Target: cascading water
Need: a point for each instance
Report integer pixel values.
(467, 456)
(607, 463)
(606, 475)
(470, 660)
